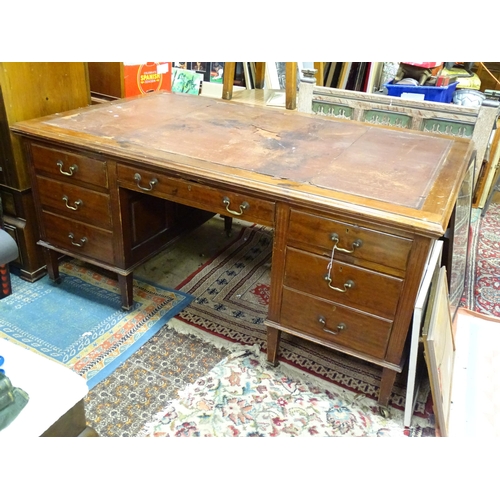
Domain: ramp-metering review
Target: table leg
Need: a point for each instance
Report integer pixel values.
(52, 262)
(386, 384)
(228, 224)
(273, 342)
(126, 284)
(228, 80)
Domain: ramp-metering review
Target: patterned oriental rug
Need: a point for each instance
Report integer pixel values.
(242, 397)
(104, 335)
(231, 298)
(482, 289)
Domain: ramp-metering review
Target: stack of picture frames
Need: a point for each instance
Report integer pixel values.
(206, 78)
(461, 349)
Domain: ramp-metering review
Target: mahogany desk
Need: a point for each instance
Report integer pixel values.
(354, 207)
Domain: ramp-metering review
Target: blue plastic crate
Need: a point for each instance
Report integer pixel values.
(437, 94)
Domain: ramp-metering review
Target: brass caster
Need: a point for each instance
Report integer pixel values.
(384, 411)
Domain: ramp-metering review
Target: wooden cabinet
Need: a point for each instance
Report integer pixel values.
(31, 90)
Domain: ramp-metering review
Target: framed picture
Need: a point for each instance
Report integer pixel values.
(217, 72)
(421, 304)
(185, 81)
(203, 68)
(439, 351)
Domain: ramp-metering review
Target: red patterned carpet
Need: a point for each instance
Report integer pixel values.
(482, 293)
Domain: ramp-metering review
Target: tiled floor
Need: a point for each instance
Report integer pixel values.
(122, 403)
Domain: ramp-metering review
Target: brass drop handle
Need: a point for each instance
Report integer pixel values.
(76, 205)
(340, 327)
(71, 170)
(83, 240)
(347, 285)
(152, 183)
(244, 206)
(356, 244)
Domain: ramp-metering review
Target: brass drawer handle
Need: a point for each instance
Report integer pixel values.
(347, 285)
(77, 204)
(71, 170)
(340, 327)
(244, 206)
(83, 240)
(152, 183)
(356, 244)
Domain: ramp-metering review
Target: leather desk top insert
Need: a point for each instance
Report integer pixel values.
(300, 173)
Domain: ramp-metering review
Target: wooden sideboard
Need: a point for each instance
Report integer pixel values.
(355, 208)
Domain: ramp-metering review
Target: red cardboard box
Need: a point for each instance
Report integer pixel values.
(147, 77)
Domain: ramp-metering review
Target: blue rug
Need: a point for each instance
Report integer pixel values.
(80, 323)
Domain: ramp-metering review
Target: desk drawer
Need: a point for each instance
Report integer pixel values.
(370, 291)
(69, 166)
(86, 240)
(224, 202)
(378, 247)
(321, 319)
(75, 202)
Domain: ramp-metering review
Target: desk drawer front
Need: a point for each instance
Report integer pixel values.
(78, 237)
(381, 248)
(363, 289)
(69, 166)
(76, 202)
(198, 195)
(334, 323)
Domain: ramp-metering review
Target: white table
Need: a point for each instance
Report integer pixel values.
(55, 406)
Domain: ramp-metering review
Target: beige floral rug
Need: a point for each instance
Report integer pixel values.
(242, 396)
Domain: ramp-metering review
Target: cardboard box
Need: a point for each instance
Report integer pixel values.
(146, 77)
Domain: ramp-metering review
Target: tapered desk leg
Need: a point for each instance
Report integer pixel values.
(386, 384)
(126, 284)
(52, 262)
(273, 342)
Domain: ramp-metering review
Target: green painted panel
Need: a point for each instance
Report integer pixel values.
(331, 109)
(448, 127)
(379, 117)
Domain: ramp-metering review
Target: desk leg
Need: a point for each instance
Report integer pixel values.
(273, 343)
(52, 262)
(126, 284)
(386, 384)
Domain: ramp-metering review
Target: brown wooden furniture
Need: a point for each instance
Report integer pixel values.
(355, 208)
(107, 80)
(30, 90)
